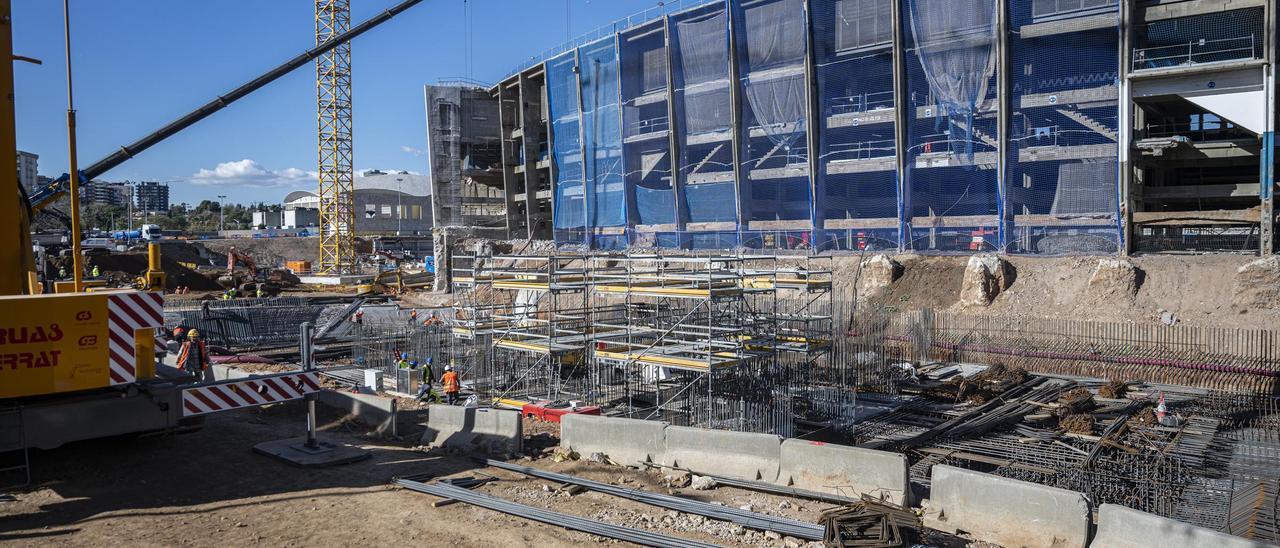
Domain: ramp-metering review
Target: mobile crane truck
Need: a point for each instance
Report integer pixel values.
(77, 366)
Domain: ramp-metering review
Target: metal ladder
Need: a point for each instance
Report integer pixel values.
(13, 439)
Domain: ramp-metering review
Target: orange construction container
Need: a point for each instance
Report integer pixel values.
(298, 266)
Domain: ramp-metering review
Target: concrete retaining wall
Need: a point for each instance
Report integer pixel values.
(474, 430)
(844, 470)
(375, 411)
(1121, 527)
(734, 454)
(626, 441)
(1005, 511)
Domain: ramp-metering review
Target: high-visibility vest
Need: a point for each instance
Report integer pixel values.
(450, 382)
(186, 352)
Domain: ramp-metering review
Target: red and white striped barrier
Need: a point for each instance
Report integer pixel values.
(226, 396)
(126, 314)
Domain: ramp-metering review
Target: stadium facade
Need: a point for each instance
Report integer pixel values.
(1019, 126)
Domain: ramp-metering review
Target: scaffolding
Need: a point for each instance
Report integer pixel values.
(721, 341)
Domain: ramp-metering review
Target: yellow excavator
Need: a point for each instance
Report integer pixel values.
(75, 365)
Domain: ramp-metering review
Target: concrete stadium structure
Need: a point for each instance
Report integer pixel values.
(1020, 126)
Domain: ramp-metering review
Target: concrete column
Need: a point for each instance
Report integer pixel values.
(1267, 180)
(1125, 140)
(903, 116)
(813, 126)
(529, 144)
(510, 184)
(587, 194)
(735, 98)
(1004, 101)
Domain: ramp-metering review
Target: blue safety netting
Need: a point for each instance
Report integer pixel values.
(857, 182)
(646, 143)
(1063, 179)
(602, 135)
(952, 200)
(703, 122)
(771, 53)
(569, 209)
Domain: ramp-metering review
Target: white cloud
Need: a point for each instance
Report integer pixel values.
(366, 172)
(413, 151)
(247, 172)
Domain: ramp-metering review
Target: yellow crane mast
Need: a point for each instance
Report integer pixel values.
(333, 118)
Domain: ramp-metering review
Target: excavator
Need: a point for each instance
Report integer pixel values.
(76, 365)
(268, 281)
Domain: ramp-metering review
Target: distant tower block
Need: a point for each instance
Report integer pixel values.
(333, 120)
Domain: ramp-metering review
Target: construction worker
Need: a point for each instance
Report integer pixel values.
(62, 273)
(452, 386)
(403, 362)
(358, 317)
(413, 316)
(260, 293)
(424, 390)
(194, 357)
(431, 320)
(179, 333)
(96, 273)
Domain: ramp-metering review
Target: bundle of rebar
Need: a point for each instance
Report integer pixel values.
(1253, 511)
(870, 524)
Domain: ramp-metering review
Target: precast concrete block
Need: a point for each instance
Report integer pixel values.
(844, 470)
(626, 441)
(1005, 511)
(742, 455)
(474, 430)
(1123, 527)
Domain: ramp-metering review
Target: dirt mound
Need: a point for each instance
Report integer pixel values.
(188, 252)
(926, 282)
(125, 267)
(268, 252)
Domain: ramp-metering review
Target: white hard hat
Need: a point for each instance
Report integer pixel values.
(448, 368)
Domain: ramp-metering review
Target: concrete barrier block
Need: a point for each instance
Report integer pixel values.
(626, 441)
(740, 455)
(844, 470)
(376, 411)
(474, 430)
(1005, 511)
(1122, 527)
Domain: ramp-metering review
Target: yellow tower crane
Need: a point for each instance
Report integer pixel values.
(333, 121)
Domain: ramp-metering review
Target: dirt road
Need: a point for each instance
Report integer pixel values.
(209, 489)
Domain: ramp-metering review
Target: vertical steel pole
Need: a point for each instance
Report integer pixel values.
(306, 332)
(77, 260)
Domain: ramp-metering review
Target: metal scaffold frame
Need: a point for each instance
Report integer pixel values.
(723, 341)
(333, 124)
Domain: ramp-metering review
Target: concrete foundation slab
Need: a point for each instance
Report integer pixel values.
(1005, 511)
(295, 451)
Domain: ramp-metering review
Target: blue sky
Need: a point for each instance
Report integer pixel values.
(140, 63)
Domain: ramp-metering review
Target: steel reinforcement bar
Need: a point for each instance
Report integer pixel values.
(753, 520)
(548, 517)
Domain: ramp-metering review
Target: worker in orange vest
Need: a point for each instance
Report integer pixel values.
(451, 385)
(194, 357)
